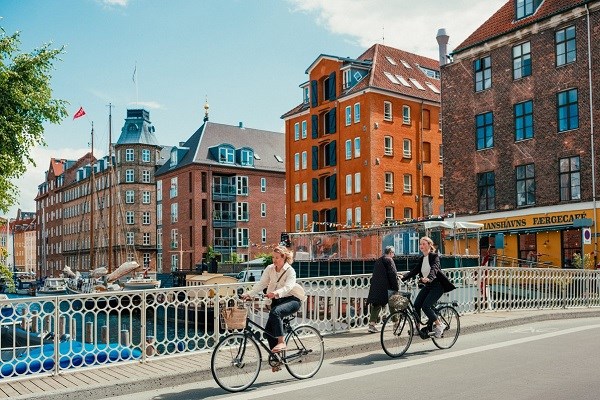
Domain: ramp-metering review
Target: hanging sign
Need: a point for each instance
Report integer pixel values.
(587, 235)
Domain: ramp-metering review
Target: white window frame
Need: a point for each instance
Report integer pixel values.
(146, 238)
(129, 176)
(129, 238)
(146, 218)
(348, 148)
(146, 156)
(388, 145)
(263, 235)
(174, 212)
(297, 131)
(296, 161)
(173, 189)
(145, 176)
(304, 191)
(297, 192)
(389, 213)
(389, 181)
(304, 129)
(129, 197)
(146, 197)
(263, 210)
(387, 111)
(297, 222)
(129, 217)
(349, 217)
(129, 155)
(304, 162)
(349, 184)
(357, 185)
(406, 148)
(348, 115)
(356, 147)
(407, 183)
(356, 113)
(406, 114)
(304, 221)
(358, 216)
(263, 184)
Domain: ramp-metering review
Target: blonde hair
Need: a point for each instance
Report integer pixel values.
(288, 254)
(429, 241)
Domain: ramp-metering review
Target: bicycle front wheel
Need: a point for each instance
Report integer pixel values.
(235, 362)
(397, 334)
(449, 316)
(305, 352)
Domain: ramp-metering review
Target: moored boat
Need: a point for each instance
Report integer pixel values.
(54, 286)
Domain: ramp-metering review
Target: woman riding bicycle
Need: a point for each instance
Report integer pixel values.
(433, 284)
(280, 280)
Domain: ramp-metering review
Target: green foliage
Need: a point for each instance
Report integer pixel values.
(586, 263)
(25, 104)
(212, 253)
(6, 274)
(235, 258)
(268, 258)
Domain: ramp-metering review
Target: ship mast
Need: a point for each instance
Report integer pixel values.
(92, 190)
(110, 194)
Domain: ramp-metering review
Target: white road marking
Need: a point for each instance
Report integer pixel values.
(311, 383)
(535, 330)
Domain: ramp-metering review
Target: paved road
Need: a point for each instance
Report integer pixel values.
(555, 359)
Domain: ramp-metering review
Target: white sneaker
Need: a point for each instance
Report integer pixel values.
(439, 330)
(373, 329)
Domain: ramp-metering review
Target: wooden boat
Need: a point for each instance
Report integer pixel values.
(54, 287)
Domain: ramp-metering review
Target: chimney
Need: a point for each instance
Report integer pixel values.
(241, 125)
(442, 39)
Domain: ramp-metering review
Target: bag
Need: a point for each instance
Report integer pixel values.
(235, 317)
(298, 292)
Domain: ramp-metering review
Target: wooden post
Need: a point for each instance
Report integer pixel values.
(47, 323)
(124, 337)
(89, 332)
(62, 325)
(150, 350)
(104, 334)
(73, 329)
(34, 321)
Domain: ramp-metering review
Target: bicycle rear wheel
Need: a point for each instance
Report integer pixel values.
(397, 333)
(305, 352)
(235, 362)
(450, 318)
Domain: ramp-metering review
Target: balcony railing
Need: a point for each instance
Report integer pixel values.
(224, 192)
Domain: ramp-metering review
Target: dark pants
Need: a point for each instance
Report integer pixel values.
(427, 297)
(279, 308)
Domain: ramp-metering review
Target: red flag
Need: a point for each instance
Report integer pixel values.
(79, 113)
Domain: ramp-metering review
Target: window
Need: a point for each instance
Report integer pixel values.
(241, 183)
(441, 153)
(356, 113)
(426, 152)
(346, 78)
(407, 213)
(129, 196)
(357, 182)
(357, 216)
(146, 197)
(226, 155)
(406, 148)
(242, 237)
(129, 176)
(303, 129)
(304, 159)
(145, 155)
(570, 179)
(521, 60)
(349, 184)
(484, 125)
(173, 191)
(146, 218)
(159, 215)
(349, 217)
(174, 157)
(129, 155)
(297, 222)
(426, 186)
(407, 183)
(296, 161)
(483, 73)
(304, 191)
(246, 157)
(406, 115)
(130, 238)
(524, 120)
(305, 94)
(297, 192)
(263, 209)
(146, 239)
(297, 131)
(387, 111)
(263, 184)
(348, 149)
(566, 51)
(304, 221)
(146, 176)
(388, 146)
(242, 211)
(356, 147)
(486, 191)
(174, 239)
(159, 191)
(389, 213)
(389, 182)
(567, 110)
(525, 175)
(526, 8)
(348, 115)
(441, 187)
(263, 235)
(174, 212)
(129, 217)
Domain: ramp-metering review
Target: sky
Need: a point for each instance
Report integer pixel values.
(246, 57)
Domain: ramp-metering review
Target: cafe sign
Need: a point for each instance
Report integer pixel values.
(531, 221)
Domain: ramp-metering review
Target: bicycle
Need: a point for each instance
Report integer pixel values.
(236, 360)
(399, 327)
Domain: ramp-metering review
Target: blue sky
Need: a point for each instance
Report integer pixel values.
(247, 56)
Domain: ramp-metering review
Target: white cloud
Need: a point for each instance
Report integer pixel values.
(122, 3)
(35, 175)
(410, 26)
(153, 105)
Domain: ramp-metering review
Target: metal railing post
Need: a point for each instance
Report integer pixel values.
(56, 336)
(143, 333)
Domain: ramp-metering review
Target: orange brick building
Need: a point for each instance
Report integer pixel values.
(364, 146)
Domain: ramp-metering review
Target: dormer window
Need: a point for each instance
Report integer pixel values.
(174, 160)
(525, 8)
(305, 94)
(226, 155)
(246, 157)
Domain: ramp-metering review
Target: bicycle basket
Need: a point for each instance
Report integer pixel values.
(398, 302)
(234, 317)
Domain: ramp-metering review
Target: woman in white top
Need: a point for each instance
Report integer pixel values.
(280, 280)
(433, 281)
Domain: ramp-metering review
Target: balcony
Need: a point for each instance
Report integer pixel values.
(223, 219)
(224, 192)
(225, 244)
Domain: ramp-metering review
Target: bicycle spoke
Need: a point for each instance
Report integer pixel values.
(396, 334)
(305, 352)
(235, 362)
(449, 316)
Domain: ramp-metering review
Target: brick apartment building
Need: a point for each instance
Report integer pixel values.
(518, 111)
(364, 146)
(24, 242)
(123, 203)
(222, 188)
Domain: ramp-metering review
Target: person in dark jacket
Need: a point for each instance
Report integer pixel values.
(384, 281)
(434, 282)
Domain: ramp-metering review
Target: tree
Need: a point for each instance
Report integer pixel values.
(25, 104)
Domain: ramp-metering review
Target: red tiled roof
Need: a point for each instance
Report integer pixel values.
(378, 79)
(503, 21)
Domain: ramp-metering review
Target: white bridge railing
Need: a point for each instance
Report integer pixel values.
(48, 335)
